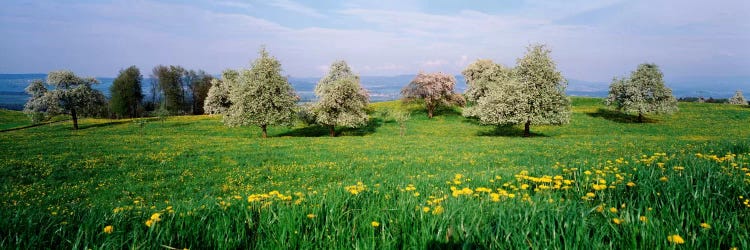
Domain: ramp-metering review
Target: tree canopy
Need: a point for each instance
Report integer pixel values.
(531, 93)
(644, 92)
(261, 95)
(738, 98)
(126, 92)
(434, 88)
(70, 95)
(342, 100)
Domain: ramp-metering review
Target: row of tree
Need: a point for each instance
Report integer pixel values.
(174, 89)
(531, 93)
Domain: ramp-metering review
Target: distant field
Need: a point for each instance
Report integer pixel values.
(190, 182)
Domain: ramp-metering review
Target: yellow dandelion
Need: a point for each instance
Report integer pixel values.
(617, 221)
(631, 184)
(675, 239)
(156, 217)
(590, 195)
(426, 209)
(311, 216)
(643, 219)
(108, 229)
(705, 225)
(600, 208)
(149, 223)
(613, 209)
(375, 224)
(438, 210)
(664, 179)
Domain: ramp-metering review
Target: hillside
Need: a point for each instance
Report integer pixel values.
(449, 182)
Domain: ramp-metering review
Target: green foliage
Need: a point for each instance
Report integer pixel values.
(262, 96)
(126, 96)
(738, 98)
(213, 186)
(643, 93)
(170, 84)
(199, 84)
(531, 93)
(341, 99)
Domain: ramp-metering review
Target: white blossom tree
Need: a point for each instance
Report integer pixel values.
(261, 96)
(738, 98)
(71, 95)
(217, 100)
(531, 93)
(642, 93)
(342, 100)
(435, 89)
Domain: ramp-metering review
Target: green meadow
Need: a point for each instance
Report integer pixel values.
(602, 181)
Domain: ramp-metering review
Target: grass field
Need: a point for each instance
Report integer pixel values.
(602, 181)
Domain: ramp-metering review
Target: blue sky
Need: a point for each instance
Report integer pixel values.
(590, 40)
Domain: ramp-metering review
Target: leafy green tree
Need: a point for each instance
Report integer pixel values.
(200, 84)
(261, 96)
(342, 100)
(643, 93)
(531, 93)
(738, 98)
(434, 88)
(71, 95)
(126, 92)
(170, 84)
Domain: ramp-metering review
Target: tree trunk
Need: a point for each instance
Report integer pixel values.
(263, 127)
(526, 128)
(332, 131)
(403, 130)
(74, 115)
(640, 117)
(430, 109)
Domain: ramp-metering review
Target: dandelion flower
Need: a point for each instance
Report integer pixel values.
(617, 221)
(311, 216)
(613, 209)
(705, 225)
(149, 223)
(426, 209)
(438, 210)
(675, 239)
(590, 195)
(631, 184)
(108, 229)
(156, 217)
(664, 179)
(643, 219)
(375, 224)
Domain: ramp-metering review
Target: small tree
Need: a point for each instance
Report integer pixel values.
(738, 98)
(217, 100)
(434, 88)
(401, 117)
(643, 93)
(342, 100)
(71, 95)
(262, 96)
(170, 80)
(480, 75)
(531, 93)
(126, 92)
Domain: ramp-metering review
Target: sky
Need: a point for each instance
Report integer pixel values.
(589, 40)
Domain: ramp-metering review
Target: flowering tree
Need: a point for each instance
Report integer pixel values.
(342, 100)
(217, 100)
(643, 93)
(738, 98)
(434, 88)
(262, 96)
(70, 95)
(531, 93)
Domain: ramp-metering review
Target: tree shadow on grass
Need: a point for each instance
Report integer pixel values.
(319, 131)
(82, 126)
(617, 116)
(508, 131)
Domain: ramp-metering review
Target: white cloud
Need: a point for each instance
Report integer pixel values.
(296, 7)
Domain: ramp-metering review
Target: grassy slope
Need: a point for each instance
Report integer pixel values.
(189, 162)
(12, 119)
